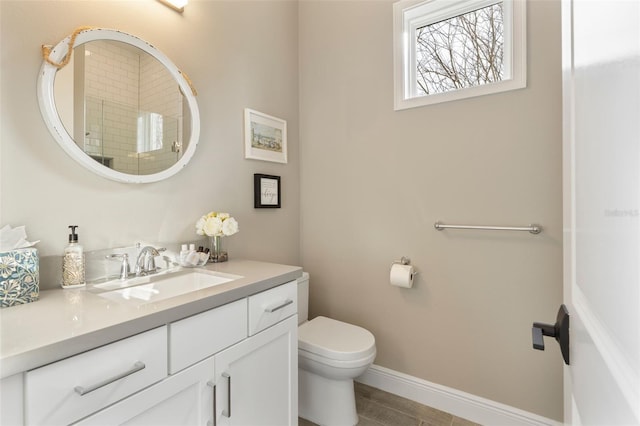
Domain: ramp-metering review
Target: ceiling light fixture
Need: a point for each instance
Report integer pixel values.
(177, 5)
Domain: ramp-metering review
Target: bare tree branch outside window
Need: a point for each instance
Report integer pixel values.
(460, 52)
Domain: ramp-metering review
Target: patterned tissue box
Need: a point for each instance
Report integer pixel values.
(19, 277)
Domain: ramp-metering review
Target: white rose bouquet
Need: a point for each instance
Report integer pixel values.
(216, 224)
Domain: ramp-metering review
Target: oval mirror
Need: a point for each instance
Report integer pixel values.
(119, 107)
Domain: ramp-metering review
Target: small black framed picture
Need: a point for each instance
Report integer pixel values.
(266, 191)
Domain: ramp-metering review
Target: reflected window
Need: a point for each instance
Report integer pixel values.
(149, 132)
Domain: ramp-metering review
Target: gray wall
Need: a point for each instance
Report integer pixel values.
(225, 50)
(374, 181)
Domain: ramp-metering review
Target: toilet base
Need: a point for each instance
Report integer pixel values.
(325, 401)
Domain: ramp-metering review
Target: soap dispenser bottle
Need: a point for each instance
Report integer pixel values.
(73, 262)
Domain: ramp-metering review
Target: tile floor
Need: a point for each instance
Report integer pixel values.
(378, 408)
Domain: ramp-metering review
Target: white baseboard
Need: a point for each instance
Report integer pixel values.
(458, 403)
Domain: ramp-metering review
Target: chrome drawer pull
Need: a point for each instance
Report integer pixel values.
(211, 384)
(282, 305)
(83, 391)
(227, 412)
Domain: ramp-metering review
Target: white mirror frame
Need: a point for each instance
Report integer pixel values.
(52, 119)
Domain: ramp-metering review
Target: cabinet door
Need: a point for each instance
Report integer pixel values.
(257, 379)
(185, 398)
(11, 401)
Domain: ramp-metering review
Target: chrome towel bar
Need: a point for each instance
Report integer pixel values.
(532, 228)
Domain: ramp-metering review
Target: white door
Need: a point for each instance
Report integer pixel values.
(601, 116)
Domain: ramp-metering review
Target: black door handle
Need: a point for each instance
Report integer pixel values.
(559, 330)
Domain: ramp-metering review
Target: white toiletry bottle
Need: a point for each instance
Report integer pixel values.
(192, 257)
(73, 262)
(184, 251)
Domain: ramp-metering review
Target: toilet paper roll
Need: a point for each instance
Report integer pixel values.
(401, 275)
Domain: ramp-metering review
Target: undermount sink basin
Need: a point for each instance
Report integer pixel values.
(154, 288)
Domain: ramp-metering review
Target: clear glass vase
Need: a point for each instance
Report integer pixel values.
(217, 253)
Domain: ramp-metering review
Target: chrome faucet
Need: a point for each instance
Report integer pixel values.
(146, 264)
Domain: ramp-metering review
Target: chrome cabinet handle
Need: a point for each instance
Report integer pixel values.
(227, 412)
(210, 383)
(81, 390)
(280, 306)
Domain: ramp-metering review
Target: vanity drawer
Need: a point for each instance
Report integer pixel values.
(272, 306)
(68, 390)
(200, 336)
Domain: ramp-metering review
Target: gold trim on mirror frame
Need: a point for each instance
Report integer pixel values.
(46, 48)
(186, 77)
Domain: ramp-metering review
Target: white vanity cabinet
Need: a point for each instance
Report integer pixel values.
(236, 364)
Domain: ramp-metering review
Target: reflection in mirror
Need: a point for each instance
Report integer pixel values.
(119, 107)
(125, 111)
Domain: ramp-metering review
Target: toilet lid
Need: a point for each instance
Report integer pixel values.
(335, 339)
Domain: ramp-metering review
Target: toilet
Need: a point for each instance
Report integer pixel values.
(330, 355)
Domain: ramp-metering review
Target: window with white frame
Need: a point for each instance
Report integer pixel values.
(446, 50)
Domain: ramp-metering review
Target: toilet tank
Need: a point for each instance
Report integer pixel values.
(303, 298)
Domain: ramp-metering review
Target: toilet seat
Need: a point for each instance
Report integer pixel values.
(305, 358)
(344, 344)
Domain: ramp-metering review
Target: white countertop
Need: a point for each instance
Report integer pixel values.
(66, 322)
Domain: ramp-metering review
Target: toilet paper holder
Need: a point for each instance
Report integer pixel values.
(403, 261)
(402, 273)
